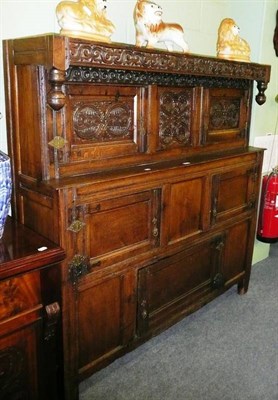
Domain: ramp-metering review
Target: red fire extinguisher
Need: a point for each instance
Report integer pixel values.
(268, 217)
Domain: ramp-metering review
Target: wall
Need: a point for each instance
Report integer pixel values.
(200, 20)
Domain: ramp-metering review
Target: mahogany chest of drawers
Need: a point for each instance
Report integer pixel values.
(30, 333)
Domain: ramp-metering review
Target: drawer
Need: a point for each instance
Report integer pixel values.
(18, 295)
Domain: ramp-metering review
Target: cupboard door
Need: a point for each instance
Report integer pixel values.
(226, 115)
(105, 319)
(233, 192)
(185, 205)
(104, 122)
(175, 117)
(176, 285)
(238, 252)
(118, 228)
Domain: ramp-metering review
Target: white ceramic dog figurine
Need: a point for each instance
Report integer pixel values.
(150, 29)
(84, 18)
(229, 44)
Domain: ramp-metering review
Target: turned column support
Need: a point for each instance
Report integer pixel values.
(260, 97)
(56, 97)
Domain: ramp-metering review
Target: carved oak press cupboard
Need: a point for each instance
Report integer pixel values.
(137, 163)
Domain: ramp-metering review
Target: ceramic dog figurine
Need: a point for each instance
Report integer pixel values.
(229, 44)
(85, 19)
(150, 29)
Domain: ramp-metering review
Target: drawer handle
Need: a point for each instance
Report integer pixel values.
(155, 228)
(53, 313)
(94, 264)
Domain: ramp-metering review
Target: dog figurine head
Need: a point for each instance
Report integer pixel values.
(151, 30)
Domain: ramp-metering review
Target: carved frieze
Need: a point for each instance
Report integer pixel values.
(110, 76)
(131, 57)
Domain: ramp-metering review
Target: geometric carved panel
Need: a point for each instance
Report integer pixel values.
(13, 379)
(175, 114)
(224, 113)
(100, 121)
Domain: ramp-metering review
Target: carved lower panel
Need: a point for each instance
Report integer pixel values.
(175, 118)
(13, 379)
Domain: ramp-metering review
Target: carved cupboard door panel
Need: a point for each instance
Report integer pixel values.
(176, 285)
(105, 319)
(234, 192)
(117, 228)
(186, 209)
(226, 115)
(104, 122)
(175, 117)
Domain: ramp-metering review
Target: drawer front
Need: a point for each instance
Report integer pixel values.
(18, 295)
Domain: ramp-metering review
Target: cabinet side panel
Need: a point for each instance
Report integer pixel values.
(38, 213)
(28, 122)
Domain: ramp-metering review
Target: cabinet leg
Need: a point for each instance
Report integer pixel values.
(242, 287)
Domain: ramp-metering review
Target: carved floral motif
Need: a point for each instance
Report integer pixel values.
(102, 120)
(175, 118)
(224, 114)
